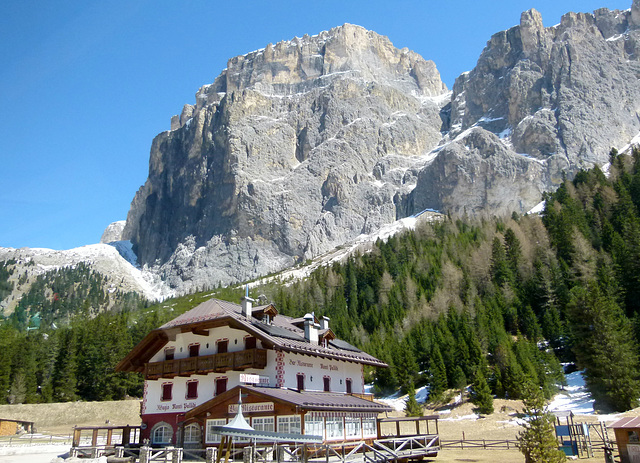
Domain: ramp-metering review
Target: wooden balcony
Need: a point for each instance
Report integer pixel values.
(201, 365)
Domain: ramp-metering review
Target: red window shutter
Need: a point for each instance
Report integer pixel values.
(167, 390)
(192, 390)
(221, 385)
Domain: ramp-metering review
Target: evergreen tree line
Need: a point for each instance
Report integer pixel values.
(500, 302)
(58, 295)
(75, 358)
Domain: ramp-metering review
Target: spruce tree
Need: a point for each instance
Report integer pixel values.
(481, 394)
(537, 441)
(604, 346)
(438, 380)
(412, 407)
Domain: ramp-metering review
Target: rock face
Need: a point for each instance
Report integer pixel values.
(290, 152)
(303, 145)
(113, 232)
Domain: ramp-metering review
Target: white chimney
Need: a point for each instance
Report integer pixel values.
(310, 329)
(324, 323)
(247, 304)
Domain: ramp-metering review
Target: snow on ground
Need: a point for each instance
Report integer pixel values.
(634, 141)
(112, 260)
(538, 208)
(33, 453)
(397, 401)
(573, 397)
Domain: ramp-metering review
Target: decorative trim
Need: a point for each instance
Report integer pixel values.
(279, 368)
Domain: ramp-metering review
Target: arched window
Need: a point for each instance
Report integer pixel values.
(192, 434)
(162, 434)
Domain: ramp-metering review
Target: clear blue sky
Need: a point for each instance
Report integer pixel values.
(85, 86)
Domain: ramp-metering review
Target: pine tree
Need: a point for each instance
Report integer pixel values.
(537, 440)
(604, 346)
(438, 378)
(412, 407)
(481, 394)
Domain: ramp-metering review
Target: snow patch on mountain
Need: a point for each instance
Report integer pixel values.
(114, 260)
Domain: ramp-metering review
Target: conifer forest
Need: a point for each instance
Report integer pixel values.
(500, 304)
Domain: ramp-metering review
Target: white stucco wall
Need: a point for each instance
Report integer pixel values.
(314, 369)
(208, 344)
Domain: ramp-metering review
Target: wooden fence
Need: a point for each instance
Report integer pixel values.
(506, 444)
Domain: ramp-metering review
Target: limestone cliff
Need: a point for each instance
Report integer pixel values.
(562, 96)
(298, 147)
(290, 152)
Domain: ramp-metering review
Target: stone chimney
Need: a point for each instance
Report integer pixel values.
(310, 329)
(324, 323)
(247, 304)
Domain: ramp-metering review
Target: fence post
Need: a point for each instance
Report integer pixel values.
(144, 454)
(176, 455)
(210, 454)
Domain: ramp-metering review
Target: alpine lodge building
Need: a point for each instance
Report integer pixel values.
(293, 375)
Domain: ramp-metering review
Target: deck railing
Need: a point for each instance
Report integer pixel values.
(219, 363)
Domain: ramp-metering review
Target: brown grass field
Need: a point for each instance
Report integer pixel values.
(59, 419)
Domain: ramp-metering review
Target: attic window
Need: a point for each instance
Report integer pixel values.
(169, 352)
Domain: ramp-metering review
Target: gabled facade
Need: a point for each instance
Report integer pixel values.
(295, 374)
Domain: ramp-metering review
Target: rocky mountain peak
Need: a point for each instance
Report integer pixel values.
(296, 148)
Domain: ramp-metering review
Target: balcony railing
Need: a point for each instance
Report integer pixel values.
(219, 363)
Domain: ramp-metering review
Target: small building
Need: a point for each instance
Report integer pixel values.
(627, 431)
(295, 376)
(11, 427)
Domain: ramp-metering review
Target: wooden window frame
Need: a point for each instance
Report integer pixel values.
(166, 387)
(222, 340)
(218, 380)
(197, 346)
(186, 394)
(326, 383)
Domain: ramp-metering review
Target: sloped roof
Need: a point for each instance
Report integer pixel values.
(306, 400)
(281, 334)
(627, 422)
